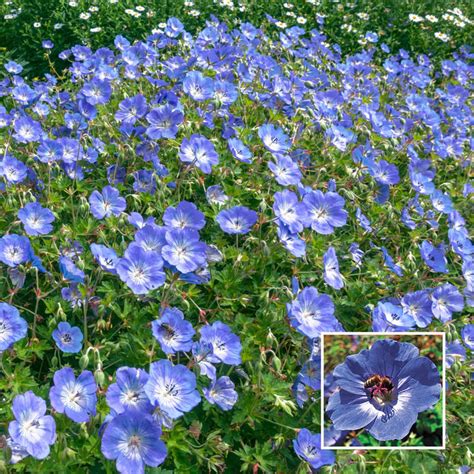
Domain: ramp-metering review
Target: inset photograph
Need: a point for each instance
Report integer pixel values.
(383, 390)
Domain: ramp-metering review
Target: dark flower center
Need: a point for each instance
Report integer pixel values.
(379, 388)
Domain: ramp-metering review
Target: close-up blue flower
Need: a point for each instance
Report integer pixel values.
(75, 397)
(13, 327)
(15, 250)
(383, 390)
(222, 393)
(172, 331)
(325, 211)
(226, 346)
(128, 391)
(172, 388)
(142, 271)
(307, 446)
(133, 441)
(32, 429)
(237, 220)
(106, 203)
(36, 219)
(68, 338)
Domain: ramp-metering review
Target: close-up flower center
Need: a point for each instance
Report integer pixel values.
(379, 388)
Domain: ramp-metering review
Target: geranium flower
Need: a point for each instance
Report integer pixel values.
(417, 305)
(68, 338)
(12, 326)
(128, 391)
(239, 150)
(383, 389)
(237, 220)
(467, 334)
(221, 393)
(172, 387)
(172, 331)
(106, 257)
(184, 216)
(97, 91)
(133, 441)
(76, 398)
(290, 241)
(290, 211)
(15, 250)
(142, 271)
(285, 170)
(226, 346)
(164, 122)
(325, 211)
(70, 271)
(131, 109)
(27, 130)
(184, 250)
(332, 276)
(311, 312)
(434, 256)
(107, 203)
(198, 86)
(36, 219)
(446, 300)
(32, 430)
(200, 151)
(274, 138)
(13, 170)
(308, 447)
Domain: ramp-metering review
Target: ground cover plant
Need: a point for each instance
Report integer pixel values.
(433, 27)
(182, 216)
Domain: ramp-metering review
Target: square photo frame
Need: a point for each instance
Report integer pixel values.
(379, 387)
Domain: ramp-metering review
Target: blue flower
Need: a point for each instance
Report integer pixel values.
(237, 220)
(164, 122)
(107, 203)
(15, 250)
(434, 256)
(221, 392)
(12, 326)
(32, 430)
(133, 440)
(76, 398)
(446, 300)
(226, 346)
(198, 86)
(106, 257)
(290, 211)
(184, 250)
(68, 338)
(172, 387)
(285, 170)
(225, 93)
(215, 195)
(455, 351)
(390, 317)
(467, 334)
(173, 332)
(383, 389)
(200, 151)
(390, 264)
(13, 170)
(27, 130)
(151, 237)
(331, 269)
(384, 173)
(184, 216)
(142, 271)
(274, 138)
(239, 150)
(131, 109)
(325, 211)
(311, 312)
(97, 91)
(308, 447)
(291, 242)
(70, 271)
(128, 391)
(36, 219)
(418, 306)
